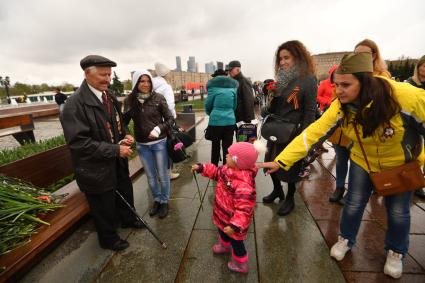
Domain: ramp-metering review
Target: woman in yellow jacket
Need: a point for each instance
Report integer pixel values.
(341, 152)
(390, 118)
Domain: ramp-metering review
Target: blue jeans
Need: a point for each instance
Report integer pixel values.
(342, 156)
(398, 211)
(155, 162)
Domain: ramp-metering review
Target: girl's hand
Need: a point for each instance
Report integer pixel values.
(272, 166)
(228, 230)
(195, 168)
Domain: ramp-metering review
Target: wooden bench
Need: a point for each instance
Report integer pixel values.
(37, 111)
(20, 126)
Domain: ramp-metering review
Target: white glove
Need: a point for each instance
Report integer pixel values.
(156, 132)
(254, 122)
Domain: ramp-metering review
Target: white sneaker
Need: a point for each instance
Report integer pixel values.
(393, 266)
(340, 248)
(174, 176)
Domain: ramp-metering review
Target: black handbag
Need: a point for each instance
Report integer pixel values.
(208, 134)
(176, 149)
(184, 138)
(277, 129)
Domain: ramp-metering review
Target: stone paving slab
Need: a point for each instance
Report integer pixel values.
(370, 277)
(201, 265)
(291, 248)
(73, 252)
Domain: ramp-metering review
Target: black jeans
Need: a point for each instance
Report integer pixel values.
(223, 135)
(238, 246)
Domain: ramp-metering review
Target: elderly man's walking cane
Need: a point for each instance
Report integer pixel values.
(141, 219)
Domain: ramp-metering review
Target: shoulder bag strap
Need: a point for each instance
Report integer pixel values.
(361, 146)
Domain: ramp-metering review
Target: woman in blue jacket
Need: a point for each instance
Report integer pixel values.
(220, 106)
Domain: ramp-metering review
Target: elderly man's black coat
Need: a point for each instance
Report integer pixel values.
(94, 156)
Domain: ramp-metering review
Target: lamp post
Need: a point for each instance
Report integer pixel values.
(6, 83)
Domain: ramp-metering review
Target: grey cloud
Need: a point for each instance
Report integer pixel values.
(58, 33)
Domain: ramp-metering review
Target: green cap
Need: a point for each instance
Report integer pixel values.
(355, 63)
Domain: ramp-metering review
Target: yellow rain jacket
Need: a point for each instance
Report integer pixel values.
(389, 147)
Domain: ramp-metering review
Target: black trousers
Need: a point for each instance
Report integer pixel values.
(221, 135)
(238, 246)
(108, 210)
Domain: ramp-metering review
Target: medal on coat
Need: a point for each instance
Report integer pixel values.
(388, 132)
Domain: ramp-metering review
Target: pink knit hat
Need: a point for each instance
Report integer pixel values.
(244, 154)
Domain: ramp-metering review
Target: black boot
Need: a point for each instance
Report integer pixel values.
(276, 193)
(163, 210)
(155, 208)
(337, 194)
(287, 206)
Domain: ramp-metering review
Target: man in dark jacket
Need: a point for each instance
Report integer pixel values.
(60, 99)
(245, 106)
(100, 145)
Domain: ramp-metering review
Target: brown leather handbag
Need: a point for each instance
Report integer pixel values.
(403, 178)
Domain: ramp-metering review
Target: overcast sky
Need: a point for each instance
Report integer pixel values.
(44, 40)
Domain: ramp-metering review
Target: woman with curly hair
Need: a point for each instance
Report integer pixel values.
(294, 99)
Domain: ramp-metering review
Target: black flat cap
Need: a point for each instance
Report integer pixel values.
(234, 64)
(96, 60)
(219, 72)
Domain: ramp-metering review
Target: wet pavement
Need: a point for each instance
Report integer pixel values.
(294, 248)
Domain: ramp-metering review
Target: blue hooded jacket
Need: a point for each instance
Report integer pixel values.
(222, 101)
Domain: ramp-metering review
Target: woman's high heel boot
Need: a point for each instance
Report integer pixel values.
(276, 193)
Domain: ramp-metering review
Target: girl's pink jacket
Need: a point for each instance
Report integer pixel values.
(235, 197)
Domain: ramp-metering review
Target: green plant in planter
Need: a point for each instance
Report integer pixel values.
(60, 183)
(21, 152)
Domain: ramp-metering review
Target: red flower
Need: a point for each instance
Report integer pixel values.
(45, 198)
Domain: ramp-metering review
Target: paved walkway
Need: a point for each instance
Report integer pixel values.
(294, 248)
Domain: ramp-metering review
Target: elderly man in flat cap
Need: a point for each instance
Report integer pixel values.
(245, 106)
(99, 146)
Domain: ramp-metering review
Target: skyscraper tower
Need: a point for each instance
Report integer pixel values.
(178, 64)
(209, 67)
(191, 64)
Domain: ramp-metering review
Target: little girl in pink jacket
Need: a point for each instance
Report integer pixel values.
(235, 200)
